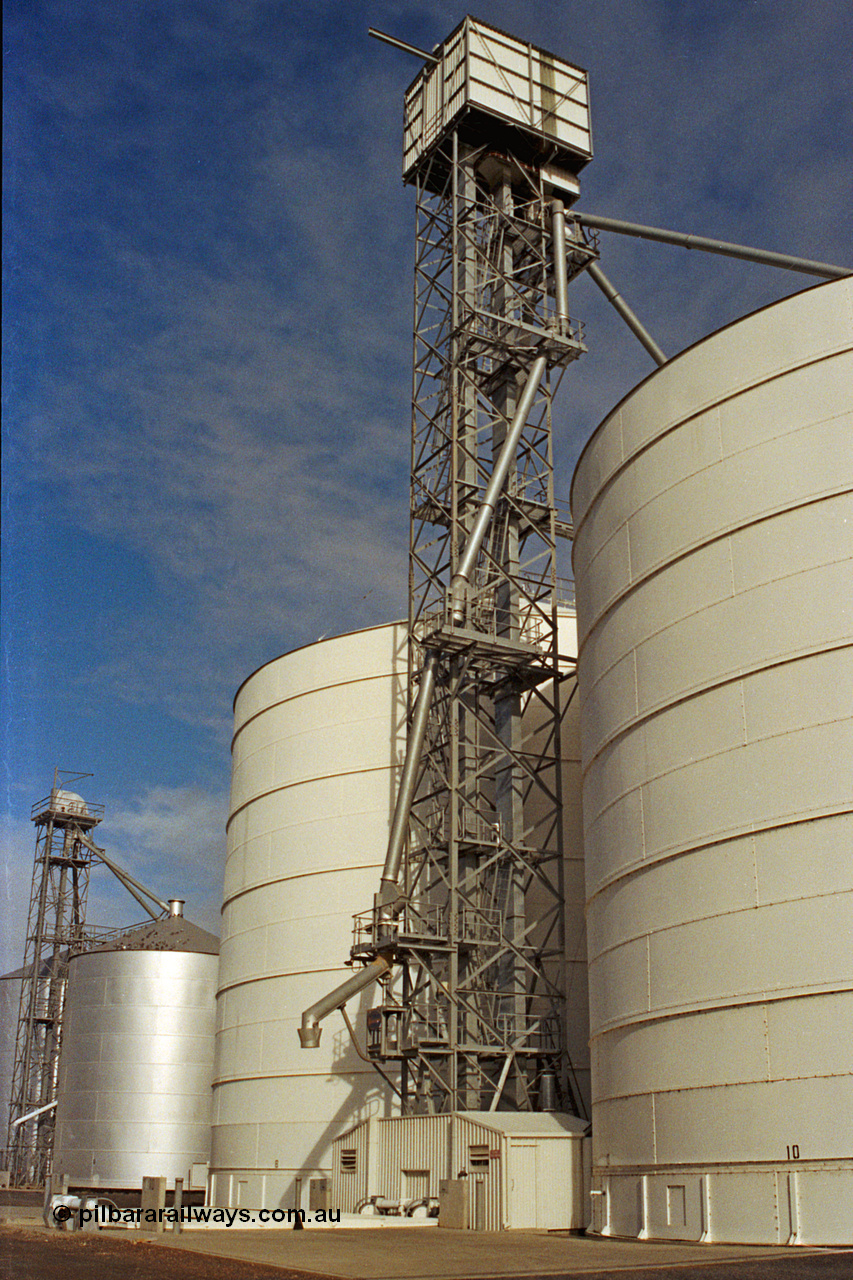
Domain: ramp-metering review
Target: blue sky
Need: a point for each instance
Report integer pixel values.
(207, 342)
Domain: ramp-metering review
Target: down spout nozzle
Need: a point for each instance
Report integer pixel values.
(309, 1033)
(310, 1030)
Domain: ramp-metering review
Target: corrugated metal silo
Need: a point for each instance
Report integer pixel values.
(712, 555)
(134, 1096)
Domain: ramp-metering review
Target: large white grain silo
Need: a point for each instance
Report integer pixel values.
(137, 1057)
(319, 735)
(714, 532)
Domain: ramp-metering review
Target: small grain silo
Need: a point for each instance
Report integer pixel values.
(318, 739)
(135, 1070)
(714, 528)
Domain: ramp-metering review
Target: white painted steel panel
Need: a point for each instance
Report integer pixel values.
(319, 734)
(715, 604)
(804, 1203)
(481, 69)
(134, 1094)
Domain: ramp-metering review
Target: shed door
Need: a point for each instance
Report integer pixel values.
(522, 1184)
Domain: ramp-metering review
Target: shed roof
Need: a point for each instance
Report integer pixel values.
(553, 1124)
(542, 1124)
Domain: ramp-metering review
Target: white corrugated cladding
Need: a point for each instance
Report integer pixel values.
(355, 1158)
(481, 67)
(534, 1175)
(520, 1169)
(713, 517)
(413, 1156)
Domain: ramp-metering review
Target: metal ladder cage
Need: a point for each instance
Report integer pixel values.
(484, 996)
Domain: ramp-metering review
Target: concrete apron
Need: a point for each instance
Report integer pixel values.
(413, 1254)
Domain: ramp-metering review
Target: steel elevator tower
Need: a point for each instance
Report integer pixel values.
(56, 930)
(467, 930)
(478, 928)
(63, 862)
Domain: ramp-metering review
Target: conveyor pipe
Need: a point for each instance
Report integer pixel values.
(561, 285)
(31, 1115)
(618, 302)
(460, 580)
(687, 241)
(431, 58)
(309, 1031)
(129, 882)
(388, 885)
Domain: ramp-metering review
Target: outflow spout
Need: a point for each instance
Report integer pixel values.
(309, 1032)
(459, 582)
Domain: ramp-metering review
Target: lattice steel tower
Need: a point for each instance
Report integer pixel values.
(467, 931)
(63, 861)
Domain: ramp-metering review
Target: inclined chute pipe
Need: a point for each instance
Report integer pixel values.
(616, 300)
(389, 883)
(31, 1115)
(460, 579)
(309, 1031)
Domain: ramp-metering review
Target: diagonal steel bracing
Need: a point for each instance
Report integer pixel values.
(478, 1013)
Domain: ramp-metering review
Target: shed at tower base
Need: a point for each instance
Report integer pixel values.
(713, 512)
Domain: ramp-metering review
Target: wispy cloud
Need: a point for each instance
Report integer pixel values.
(208, 313)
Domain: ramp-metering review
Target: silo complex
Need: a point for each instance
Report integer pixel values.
(137, 1059)
(319, 735)
(714, 526)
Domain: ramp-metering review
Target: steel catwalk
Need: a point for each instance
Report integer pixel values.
(713, 516)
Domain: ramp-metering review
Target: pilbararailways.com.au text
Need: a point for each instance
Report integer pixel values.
(105, 1215)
